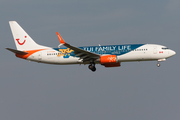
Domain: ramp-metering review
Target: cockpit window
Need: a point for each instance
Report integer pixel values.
(165, 48)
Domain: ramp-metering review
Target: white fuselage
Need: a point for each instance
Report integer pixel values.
(146, 52)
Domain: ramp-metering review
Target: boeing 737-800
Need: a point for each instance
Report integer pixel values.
(106, 55)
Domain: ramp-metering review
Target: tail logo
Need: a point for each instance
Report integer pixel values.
(22, 42)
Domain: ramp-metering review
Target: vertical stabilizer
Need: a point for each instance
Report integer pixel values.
(22, 40)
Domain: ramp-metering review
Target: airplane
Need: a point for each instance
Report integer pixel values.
(106, 55)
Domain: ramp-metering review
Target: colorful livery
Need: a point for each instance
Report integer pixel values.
(106, 55)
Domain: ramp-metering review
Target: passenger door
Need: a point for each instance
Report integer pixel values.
(155, 50)
(40, 56)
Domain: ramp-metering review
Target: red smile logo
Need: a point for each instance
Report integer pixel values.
(22, 42)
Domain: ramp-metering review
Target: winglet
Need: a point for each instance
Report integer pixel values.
(60, 38)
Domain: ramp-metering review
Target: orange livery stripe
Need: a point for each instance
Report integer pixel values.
(30, 52)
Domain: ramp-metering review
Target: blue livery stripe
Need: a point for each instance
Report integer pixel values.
(106, 49)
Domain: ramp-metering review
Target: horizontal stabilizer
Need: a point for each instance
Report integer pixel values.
(17, 51)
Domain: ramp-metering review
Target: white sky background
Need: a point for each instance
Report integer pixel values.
(134, 91)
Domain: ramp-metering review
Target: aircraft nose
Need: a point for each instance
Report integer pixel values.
(172, 52)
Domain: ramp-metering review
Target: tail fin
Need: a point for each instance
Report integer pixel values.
(22, 40)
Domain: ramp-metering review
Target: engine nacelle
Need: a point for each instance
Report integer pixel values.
(108, 59)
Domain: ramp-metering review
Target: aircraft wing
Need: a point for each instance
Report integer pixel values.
(83, 54)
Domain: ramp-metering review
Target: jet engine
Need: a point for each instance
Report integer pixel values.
(109, 61)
